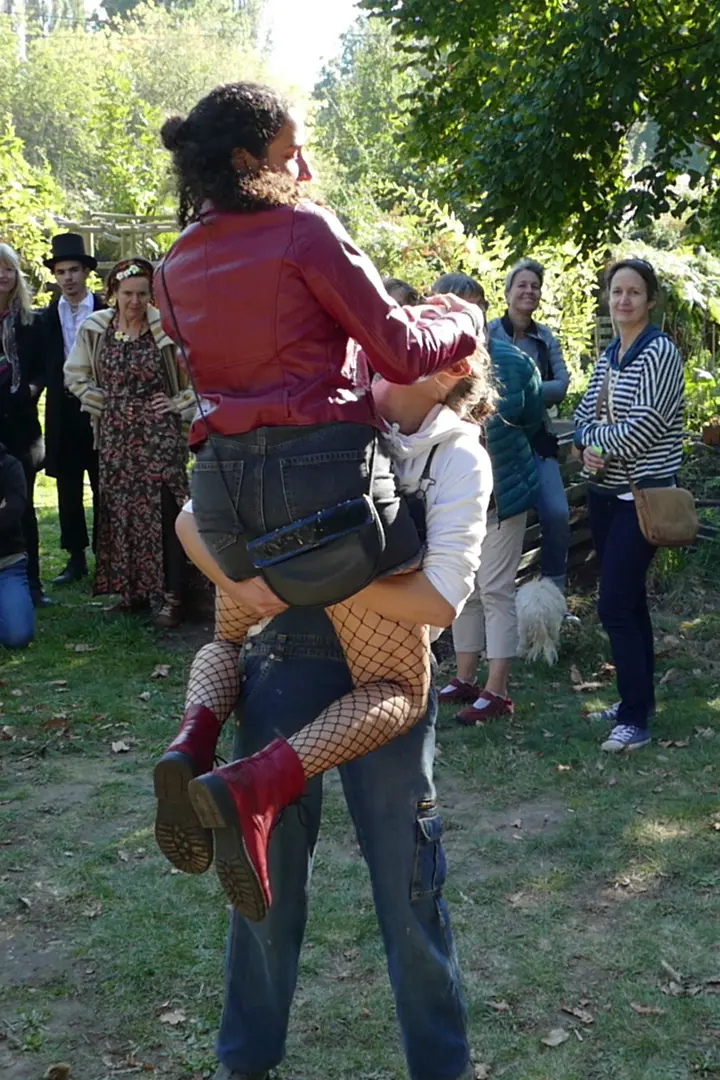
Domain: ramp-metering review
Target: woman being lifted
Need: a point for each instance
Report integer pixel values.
(264, 289)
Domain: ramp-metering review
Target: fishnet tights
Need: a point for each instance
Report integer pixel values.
(214, 679)
(390, 667)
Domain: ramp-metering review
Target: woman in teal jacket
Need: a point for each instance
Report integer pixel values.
(488, 620)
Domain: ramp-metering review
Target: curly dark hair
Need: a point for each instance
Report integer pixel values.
(245, 116)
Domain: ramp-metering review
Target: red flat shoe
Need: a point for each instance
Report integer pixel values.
(241, 803)
(463, 693)
(179, 834)
(494, 707)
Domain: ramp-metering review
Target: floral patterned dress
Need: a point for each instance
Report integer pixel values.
(139, 454)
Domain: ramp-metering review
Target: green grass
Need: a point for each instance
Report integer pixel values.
(572, 877)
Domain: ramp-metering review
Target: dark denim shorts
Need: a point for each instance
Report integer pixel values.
(246, 485)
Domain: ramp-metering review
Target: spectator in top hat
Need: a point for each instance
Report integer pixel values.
(69, 451)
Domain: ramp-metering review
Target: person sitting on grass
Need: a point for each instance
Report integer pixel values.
(17, 613)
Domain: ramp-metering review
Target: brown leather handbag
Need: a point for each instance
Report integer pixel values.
(666, 515)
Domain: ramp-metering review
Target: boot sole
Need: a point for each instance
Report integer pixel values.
(216, 810)
(179, 834)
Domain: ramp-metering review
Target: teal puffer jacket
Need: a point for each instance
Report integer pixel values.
(519, 416)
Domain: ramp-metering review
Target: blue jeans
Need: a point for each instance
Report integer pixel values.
(625, 556)
(17, 614)
(293, 671)
(554, 515)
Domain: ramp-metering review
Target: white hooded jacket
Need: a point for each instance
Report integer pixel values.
(456, 497)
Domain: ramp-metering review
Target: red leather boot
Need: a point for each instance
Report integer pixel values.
(241, 802)
(179, 834)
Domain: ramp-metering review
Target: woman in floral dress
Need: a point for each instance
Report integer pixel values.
(124, 370)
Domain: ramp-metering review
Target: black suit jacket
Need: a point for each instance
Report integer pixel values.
(68, 432)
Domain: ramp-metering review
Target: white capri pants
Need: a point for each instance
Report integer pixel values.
(489, 619)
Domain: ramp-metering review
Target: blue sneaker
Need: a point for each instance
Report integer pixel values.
(610, 715)
(604, 716)
(625, 737)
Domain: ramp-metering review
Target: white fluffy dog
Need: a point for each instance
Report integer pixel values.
(540, 608)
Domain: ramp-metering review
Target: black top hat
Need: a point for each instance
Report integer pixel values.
(69, 246)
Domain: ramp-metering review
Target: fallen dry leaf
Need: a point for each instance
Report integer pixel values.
(123, 856)
(59, 682)
(646, 1010)
(517, 824)
(579, 1013)
(515, 898)
(587, 687)
(145, 696)
(705, 732)
(482, 1071)
(670, 744)
(58, 1072)
(7, 733)
(564, 768)
(498, 1006)
(93, 910)
(556, 1037)
(17, 693)
(161, 671)
(24, 903)
(575, 676)
(671, 675)
(82, 648)
(174, 1017)
(119, 747)
(611, 781)
(58, 722)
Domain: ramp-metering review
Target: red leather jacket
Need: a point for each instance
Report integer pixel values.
(266, 304)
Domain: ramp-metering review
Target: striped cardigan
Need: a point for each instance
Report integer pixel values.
(642, 425)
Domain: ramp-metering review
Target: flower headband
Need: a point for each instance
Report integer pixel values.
(132, 271)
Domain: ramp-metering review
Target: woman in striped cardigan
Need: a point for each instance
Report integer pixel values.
(629, 425)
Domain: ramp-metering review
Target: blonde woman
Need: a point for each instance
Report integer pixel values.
(21, 383)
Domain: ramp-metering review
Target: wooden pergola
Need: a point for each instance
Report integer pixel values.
(129, 234)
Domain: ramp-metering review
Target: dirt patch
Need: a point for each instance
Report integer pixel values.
(462, 809)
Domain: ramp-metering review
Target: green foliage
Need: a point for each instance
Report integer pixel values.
(360, 108)
(526, 110)
(28, 198)
(702, 393)
(90, 101)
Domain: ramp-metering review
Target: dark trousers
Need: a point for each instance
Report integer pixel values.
(29, 524)
(625, 556)
(71, 510)
(174, 557)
